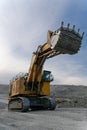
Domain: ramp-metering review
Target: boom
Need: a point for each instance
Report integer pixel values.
(62, 41)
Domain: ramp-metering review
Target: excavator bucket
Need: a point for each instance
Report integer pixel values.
(66, 40)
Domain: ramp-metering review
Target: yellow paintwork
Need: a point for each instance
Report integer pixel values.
(18, 88)
(25, 86)
(45, 89)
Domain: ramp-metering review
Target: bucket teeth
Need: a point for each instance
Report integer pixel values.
(66, 40)
(78, 30)
(73, 28)
(62, 23)
(68, 25)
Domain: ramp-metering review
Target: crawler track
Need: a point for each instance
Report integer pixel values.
(20, 104)
(23, 104)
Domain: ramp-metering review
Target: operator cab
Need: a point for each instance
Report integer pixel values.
(47, 76)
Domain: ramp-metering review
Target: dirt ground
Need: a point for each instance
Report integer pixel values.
(71, 95)
(60, 119)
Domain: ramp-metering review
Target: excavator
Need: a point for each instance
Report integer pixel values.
(31, 91)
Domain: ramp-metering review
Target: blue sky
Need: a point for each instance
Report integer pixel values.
(24, 25)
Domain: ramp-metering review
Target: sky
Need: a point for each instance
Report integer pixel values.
(24, 25)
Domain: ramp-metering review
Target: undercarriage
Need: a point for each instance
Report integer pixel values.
(24, 104)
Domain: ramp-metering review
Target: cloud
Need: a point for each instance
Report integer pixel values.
(24, 25)
(67, 70)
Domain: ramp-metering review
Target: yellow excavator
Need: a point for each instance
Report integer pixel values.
(31, 91)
